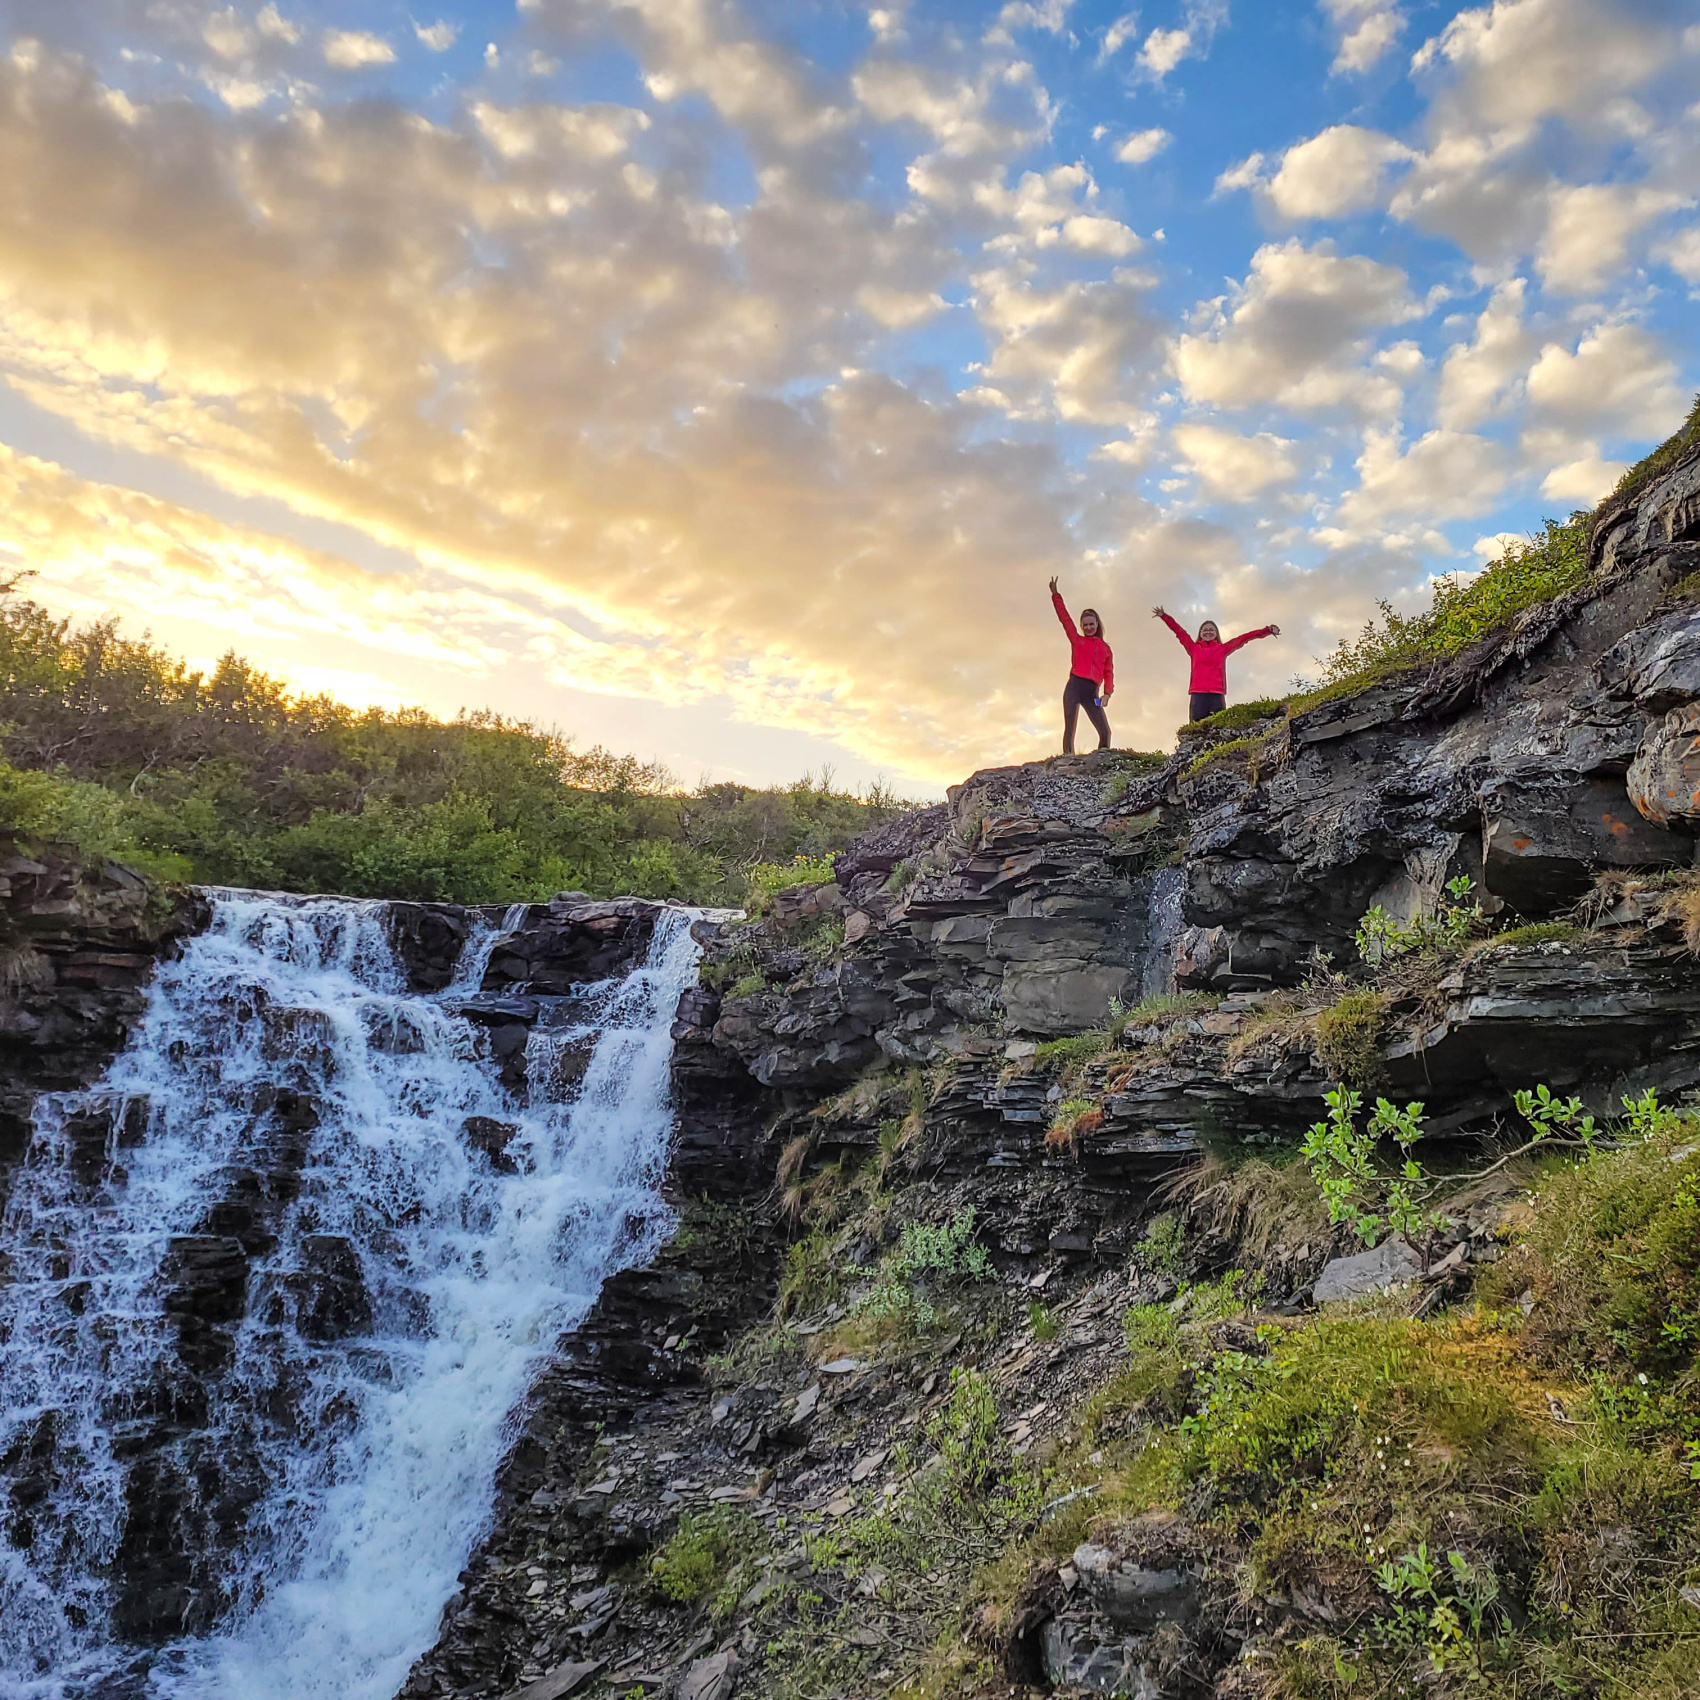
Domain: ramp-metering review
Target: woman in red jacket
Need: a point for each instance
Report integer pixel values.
(1091, 673)
(1209, 683)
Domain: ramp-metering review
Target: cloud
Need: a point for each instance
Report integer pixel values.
(1481, 378)
(1078, 351)
(1246, 174)
(615, 384)
(1051, 16)
(1681, 253)
(355, 50)
(1508, 80)
(1232, 467)
(1444, 475)
(1296, 332)
(1619, 378)
(1366, 30)
(1143, 145)
(1336, 172)
(271, 23)
(1584, 480)
(1120, 32)
(1589, 230)
(1164, 49)
(439, 37)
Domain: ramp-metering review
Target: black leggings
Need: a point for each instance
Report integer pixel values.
(1205, 703)
(1079, 694)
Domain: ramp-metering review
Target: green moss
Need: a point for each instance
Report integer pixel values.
(1539, 932)
(1235, 718)
(1612, 1259)
(1349, 1038)
(750, 985)
(1248, 747)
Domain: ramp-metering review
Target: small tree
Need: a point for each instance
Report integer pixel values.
(1343, 1162)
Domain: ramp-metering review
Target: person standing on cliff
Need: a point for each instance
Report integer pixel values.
(1208, 685)
(1091, 673)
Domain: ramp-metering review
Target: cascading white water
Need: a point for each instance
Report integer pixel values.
(336, 1440)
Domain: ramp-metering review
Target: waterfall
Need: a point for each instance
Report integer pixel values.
(273, 1292)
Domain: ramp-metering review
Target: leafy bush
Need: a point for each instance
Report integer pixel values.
(116, 746)
(1163, 1250)
(1612, 1257)
(928, 1255)
(944, 1251)
(1460, 611)
(1342, 1160)
(702, 1552)
(1381, 939)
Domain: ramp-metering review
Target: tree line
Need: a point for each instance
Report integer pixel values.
(115, 745)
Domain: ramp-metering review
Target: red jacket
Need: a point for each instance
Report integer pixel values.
(1089, 657)
(1210, 660)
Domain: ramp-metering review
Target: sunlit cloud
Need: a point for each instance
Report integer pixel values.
(775, 383)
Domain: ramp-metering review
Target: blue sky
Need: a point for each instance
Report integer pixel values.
(723, 382)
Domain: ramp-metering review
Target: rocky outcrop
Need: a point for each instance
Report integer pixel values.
(79, 938)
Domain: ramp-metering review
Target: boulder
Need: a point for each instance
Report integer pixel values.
(1390, 1264)
(1133, 1597)
(1545, 834)
(1664, 778)
(1657, 664)
(1077, 1655)
(712, 1678)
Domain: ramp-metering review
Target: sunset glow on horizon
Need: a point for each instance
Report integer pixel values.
(723, 382)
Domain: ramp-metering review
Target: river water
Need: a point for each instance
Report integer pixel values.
(291, 1491)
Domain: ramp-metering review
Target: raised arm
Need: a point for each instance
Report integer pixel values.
(1180, 632)
(1249, 637)
(1062, 611)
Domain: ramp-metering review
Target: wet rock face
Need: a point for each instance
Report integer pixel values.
(428, 938)
(573, 940)
(81, 937)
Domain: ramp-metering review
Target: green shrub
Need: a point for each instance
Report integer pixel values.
(702, 1552)
(1163, 1250)
(230, 778)
(1382, 939)
(749, 985)
(1043, 1322)
(1612, 1258)
(1550, 562)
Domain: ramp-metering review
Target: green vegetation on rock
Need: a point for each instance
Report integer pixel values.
(1462, 610)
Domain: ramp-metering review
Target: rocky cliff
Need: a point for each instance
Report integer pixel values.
(997, 1085)
(79, 938)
